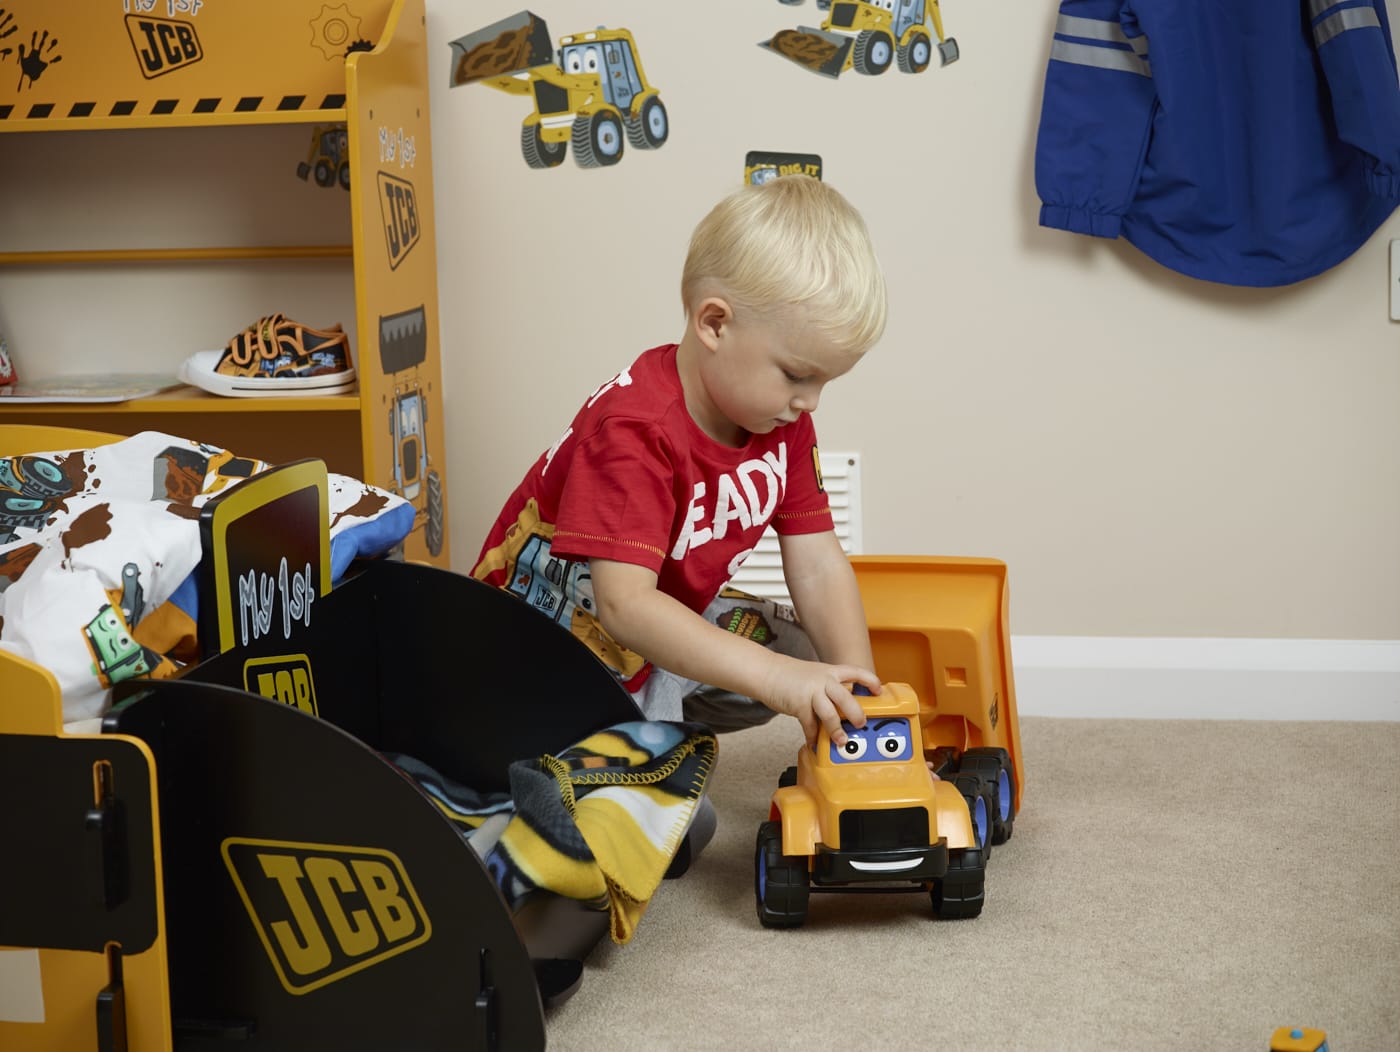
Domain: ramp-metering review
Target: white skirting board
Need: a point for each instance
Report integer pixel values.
(1229, 679)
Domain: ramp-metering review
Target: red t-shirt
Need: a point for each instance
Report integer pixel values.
(634, 479)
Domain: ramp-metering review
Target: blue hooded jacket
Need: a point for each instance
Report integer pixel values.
(1248, 142)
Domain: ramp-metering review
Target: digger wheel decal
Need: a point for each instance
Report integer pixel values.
(650, 129)
(538, 152)
(597, 139)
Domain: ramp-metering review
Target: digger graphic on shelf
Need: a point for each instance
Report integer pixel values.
(328, 157)
(868, 37)
(590, 94)
(402, 349)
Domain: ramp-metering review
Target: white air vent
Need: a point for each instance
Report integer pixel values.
(762, 572)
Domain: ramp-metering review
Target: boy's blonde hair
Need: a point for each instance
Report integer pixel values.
(792, 242)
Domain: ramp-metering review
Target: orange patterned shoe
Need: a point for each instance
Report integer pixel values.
(275, 356)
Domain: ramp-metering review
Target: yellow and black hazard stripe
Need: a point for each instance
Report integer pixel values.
(169, 107)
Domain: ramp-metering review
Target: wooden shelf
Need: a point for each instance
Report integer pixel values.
(256, 62)
(234, 253)
(15, 120)
(188, 400)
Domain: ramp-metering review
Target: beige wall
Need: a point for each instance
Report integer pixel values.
(1152, 455)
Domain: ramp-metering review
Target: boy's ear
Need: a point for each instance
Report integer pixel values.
(710, 319)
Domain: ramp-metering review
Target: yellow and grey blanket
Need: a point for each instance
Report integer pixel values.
(599, 822)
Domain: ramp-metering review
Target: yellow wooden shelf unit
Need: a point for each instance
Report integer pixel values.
(94, 65)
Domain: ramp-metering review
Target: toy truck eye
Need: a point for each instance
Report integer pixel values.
(854, 748)
(891, 745)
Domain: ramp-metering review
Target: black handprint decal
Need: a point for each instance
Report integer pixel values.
(40, 56)
(7, 29)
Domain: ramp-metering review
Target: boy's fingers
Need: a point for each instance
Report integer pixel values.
(848, 704)
(867, 679)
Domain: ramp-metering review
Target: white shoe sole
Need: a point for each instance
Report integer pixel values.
(198, 371)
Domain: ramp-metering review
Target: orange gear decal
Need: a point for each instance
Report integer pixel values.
(334, 30)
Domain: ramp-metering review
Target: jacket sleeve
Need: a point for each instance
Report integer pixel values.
(1353, 42)
(1095, 120)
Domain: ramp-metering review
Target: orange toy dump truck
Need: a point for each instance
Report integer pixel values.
(868, 816)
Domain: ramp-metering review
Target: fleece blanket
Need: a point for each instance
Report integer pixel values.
(599, 822)
(99, 548)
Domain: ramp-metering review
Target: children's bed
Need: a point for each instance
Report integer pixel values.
(269, 846)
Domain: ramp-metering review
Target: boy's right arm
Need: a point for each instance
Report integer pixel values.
(670, 635)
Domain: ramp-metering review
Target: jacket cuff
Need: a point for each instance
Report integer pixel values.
(1383, 184)
(1080, 221)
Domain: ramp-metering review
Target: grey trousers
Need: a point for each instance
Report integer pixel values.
(666, 696)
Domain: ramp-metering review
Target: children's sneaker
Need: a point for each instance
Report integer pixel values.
(275, 356)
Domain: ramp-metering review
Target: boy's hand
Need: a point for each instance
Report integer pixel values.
(817, 694)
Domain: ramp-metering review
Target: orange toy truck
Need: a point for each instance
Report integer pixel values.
(868, 816)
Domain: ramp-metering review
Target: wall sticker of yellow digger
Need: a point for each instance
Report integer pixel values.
(591, 94)
(867, 37)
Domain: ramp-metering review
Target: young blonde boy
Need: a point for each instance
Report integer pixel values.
(627, 529)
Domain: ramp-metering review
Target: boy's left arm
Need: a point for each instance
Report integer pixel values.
(824, 592)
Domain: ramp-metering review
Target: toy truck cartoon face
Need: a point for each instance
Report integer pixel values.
(116, 656)
(610, 57)
(869, 810)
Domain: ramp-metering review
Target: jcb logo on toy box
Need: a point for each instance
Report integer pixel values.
(325, 911)
(163, 45)
(286, 679)
(399, 206)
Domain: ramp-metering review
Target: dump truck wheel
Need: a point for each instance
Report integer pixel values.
(650, 128)
(916, 52)
(959, 893)
(977, 792)
(539, 153)
(874, 51)
(993, 765)
(598, 139)
(780, 884)
(788, 777)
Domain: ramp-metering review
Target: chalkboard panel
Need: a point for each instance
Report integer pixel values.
(267, 556)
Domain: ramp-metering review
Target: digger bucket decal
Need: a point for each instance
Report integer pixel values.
(589, 94)
(869, 38)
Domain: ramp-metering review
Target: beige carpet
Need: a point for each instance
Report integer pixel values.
(1170, 885)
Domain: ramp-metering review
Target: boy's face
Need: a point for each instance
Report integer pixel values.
(764, 373)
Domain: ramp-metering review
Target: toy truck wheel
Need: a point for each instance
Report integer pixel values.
(649, 129)
(781, 890)
(325, 174)
(433, 532)
(598, 139)
(916, 52)
(537, 152)
(959, 894)
(874, 51)
(788, 777)
(994, 766)
(977, 792)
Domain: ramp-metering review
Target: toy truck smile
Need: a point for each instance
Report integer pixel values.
(897, 865)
